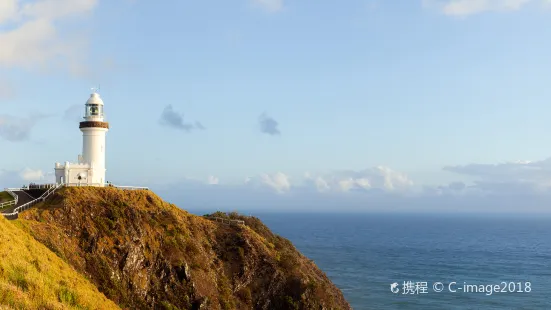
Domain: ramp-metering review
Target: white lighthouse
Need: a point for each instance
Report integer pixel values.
(90, 169)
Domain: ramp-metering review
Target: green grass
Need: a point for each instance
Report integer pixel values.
(33, 277)
(5, 197)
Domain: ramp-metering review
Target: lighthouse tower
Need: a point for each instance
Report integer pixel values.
(90, 169)
(93, 138)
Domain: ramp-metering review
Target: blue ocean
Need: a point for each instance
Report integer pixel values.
(363, 254)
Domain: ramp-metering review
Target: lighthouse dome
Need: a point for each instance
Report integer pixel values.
(94, 99)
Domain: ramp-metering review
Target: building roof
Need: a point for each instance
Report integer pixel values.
(94, 99)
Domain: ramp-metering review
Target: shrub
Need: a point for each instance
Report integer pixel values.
(168, 306)
(17, 277)
(241, 253)
(288, 261)
(36, 265)
(67, 296)
(290, 303)
(245, 295)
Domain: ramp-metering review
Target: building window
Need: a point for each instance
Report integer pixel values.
(94, 110)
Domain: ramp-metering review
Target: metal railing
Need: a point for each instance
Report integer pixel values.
(11, 202)
(134, 188)
(29, 204)
(14, 189)
(41, 186)
(83, 184)
(11, 216)
(7, 204)
(226, 221)
(105, 185)
(15, 197)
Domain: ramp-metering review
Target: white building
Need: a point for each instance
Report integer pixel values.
(90, 169)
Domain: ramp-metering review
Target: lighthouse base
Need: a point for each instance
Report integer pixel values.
(80, 174)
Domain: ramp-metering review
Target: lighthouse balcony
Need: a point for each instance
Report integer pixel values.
(94, 124)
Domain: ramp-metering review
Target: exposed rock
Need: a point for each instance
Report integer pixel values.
(144, 253)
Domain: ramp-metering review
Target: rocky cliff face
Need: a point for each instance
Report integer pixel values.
(144, 253)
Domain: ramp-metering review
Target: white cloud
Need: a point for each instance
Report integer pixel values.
(30, 175)
(468, 7)
(471, 7)
(520, 177)
(269, 5)
(510, 171)
(514, 186)
(376, 178)
(31, 36)
(212, 180)
(55, 9)
(278, 182)
(321, 185)
(521, 186)
(454, 189)
(8, 10)
(16, 178)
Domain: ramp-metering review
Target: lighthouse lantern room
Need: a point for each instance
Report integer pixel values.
(90, 168)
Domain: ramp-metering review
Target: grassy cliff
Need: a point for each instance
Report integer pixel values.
(144, 253)
(32, 277)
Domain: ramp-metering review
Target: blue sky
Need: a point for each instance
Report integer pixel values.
(288, 99)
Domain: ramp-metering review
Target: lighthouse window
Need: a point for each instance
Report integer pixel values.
(94, 110)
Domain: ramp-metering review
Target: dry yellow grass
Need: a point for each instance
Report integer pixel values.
(33, 277)
(145, 253)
